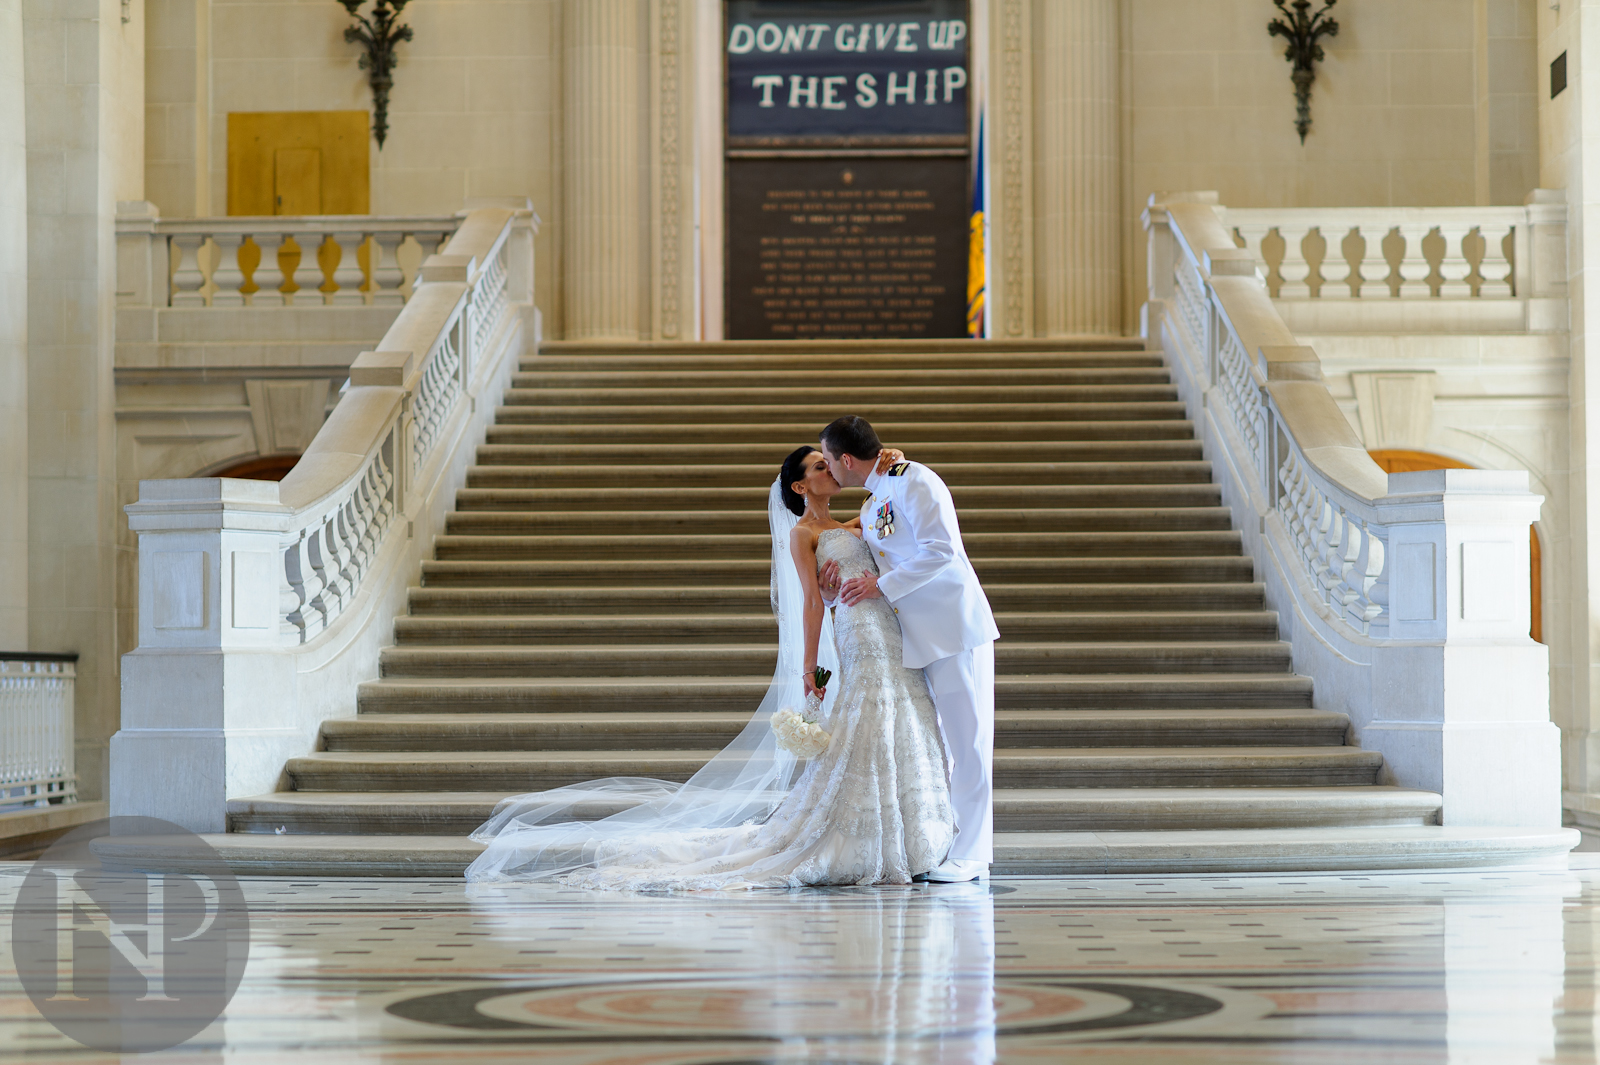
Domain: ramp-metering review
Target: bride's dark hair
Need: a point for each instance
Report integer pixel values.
(794, 469)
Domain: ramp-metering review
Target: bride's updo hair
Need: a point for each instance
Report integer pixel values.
(794, 469)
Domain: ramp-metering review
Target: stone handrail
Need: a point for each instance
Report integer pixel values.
(245, 587)
(273, 260)
(1405, 596)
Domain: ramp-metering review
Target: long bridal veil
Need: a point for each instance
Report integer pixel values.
(551, 832)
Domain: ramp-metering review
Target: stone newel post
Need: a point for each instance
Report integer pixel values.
(206, 679)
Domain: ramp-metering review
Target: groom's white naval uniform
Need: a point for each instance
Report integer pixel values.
(948, 630)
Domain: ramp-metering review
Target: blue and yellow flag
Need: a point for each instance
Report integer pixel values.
(977, 274)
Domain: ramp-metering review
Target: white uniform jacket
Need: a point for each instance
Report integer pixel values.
(909, 522)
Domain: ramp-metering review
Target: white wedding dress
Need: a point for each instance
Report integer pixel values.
(873, 808)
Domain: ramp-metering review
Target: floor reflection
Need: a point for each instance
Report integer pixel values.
(1466, 967)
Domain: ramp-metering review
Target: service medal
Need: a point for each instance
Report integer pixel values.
(885, 522)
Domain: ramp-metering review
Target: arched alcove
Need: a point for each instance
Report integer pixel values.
(258, 468)
(1394, 460)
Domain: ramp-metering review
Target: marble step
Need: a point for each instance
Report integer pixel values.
(606, 573)
(847, 396)
(746, 498)
(526, 408)
(981, 546)
(1267, 850)
(536, 374)
(666, 730)
(857, 350)
(1015, 809)
(569, 628)
(816, 364)
(750, 521)
(755, 598)
(681, 660)
(606, 694)
(708, 475)
(1019, 767)
(795, 433)
(937, 455)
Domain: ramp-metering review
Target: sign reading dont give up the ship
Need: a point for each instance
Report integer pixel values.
(837, 71)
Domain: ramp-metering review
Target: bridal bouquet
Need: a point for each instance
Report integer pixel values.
(798, 731)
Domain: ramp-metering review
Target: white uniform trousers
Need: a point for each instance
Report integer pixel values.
(963, 694)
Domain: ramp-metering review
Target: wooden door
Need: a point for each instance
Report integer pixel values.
(297, 181)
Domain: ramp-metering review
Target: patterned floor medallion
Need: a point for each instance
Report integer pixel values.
(938, 1007)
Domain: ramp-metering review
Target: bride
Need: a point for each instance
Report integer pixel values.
(872, 808)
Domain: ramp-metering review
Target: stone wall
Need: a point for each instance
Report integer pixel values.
(1419, 103)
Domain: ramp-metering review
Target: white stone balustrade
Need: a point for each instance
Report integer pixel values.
(262, 604)
(300, 261)
(1513, 257)
(1405, 596)
(36, 732)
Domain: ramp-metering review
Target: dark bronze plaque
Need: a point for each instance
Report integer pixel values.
(844, 248)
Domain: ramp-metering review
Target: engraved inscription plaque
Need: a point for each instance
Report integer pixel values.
(843, 248)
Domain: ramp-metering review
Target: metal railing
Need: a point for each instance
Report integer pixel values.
(36, 730)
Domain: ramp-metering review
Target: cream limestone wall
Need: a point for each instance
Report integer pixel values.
(1418, 103)
(13, 336)
(471, 115)
(74, 57)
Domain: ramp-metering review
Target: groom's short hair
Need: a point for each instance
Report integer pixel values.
(851, 435)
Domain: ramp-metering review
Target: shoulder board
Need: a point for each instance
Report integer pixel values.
(899, 469)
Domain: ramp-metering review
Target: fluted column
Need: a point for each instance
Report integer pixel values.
(602, 253)
(1077, 205)
(13, 335)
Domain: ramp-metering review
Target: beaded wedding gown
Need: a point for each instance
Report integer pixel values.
(873, 808)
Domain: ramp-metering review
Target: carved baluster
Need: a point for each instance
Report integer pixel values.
(1414, 265)
(347, 275)
(300, 585)
(1252, 235)
(325, 558)
(227, 279)
(1497, 267)
(188, 279)
(1374, 281)
(268, 276)
(1335, 269)
(1295, 270)
(1454, 267)
(387, 277)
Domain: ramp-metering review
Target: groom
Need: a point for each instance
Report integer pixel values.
(948, 631)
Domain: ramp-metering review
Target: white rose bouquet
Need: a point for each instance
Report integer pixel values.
(798, 731)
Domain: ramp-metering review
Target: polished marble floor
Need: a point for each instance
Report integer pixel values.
(1487, 966)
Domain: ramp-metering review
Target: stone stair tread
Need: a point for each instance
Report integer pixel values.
(1015, 754)
(529, 413)
(1016, 853)
(1035, 809)
(897, 433)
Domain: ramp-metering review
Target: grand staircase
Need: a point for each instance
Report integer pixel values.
(599, 607)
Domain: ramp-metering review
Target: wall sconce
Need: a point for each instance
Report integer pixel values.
(1302, 29)
(378, 35)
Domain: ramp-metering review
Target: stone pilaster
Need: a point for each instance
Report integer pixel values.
(604, 171)
(1571, 161)
(672, 92)
(1009, 113)
(70, 69)
(1077, 208)
(13, 336)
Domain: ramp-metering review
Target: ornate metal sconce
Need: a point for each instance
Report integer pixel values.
(378, 35)
(1302, 29)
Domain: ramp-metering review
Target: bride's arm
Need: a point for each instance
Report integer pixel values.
(803, 546)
